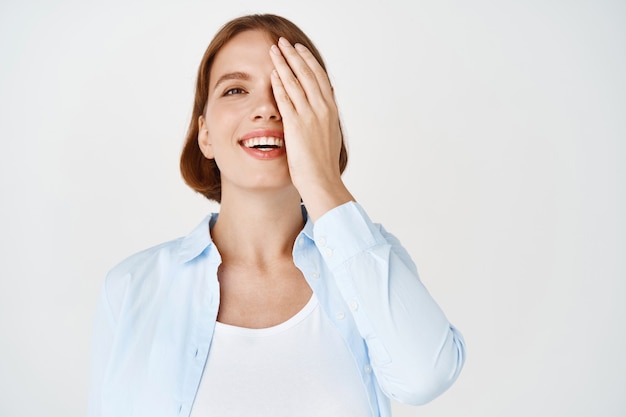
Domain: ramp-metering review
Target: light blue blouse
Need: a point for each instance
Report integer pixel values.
(157, 311)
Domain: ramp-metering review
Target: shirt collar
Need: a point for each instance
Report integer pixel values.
(198, 240)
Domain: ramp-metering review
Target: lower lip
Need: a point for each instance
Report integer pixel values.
(259, 154)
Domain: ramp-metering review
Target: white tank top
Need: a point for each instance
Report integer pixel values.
(299, 368)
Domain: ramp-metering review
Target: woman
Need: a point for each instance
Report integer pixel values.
(291, 302)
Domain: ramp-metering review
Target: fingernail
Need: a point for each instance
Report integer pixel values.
(275, 49)
(299, 47)
(283, 41)
(275, 73)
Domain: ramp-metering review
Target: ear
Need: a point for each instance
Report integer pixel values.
(204, 140)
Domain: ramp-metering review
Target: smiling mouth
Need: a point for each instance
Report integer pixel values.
(264, 143)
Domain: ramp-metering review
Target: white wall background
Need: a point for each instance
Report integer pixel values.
(488, 135)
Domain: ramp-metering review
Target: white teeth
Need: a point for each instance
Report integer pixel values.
(263, 141)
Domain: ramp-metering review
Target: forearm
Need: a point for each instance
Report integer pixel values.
(415, 352)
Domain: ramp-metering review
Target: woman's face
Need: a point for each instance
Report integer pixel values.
(242, 128)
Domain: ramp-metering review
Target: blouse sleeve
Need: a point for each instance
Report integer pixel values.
(416, 354)
(104, 331)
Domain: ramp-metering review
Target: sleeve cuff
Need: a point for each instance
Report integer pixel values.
(343, 232)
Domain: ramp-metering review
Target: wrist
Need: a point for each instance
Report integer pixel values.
(319, 198)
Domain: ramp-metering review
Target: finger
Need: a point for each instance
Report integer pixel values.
(320, 74)
(301, 71)
(285, 105)
(289, 82)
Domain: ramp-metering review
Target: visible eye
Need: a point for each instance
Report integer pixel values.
(233, 91)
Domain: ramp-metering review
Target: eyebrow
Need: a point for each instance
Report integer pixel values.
(237, 75)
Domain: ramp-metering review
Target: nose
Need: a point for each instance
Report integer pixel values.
(265, 107)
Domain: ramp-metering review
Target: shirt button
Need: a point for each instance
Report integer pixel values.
(354, 306)
(368, 368)
(340, 315)
(328, 252)
(315, 275)
(321, 241)
(301, 241)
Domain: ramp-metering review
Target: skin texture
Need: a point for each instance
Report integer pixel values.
(257, 86)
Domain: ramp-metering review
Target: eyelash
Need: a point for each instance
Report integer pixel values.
(233, 91)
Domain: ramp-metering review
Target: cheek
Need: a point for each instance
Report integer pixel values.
(220, 119)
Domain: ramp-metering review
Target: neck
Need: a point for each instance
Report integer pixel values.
(255, 229)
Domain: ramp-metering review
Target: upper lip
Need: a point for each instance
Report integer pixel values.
(260, 133)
